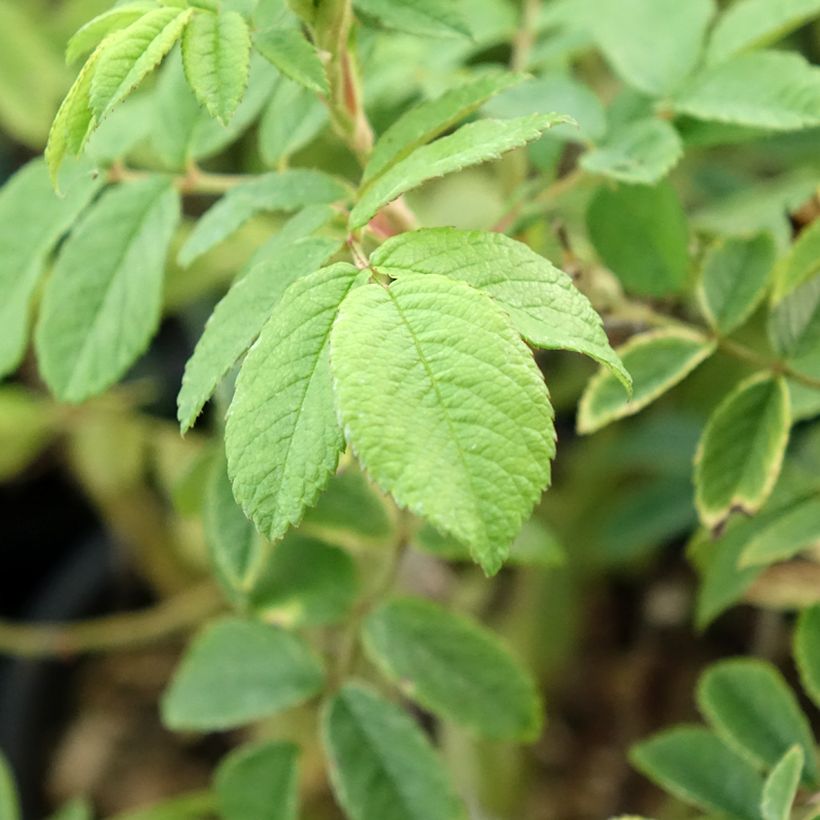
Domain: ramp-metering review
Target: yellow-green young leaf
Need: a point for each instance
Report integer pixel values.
(807, 651)
(640, 233)
(9, 807)
(432, 118)
(103, 301)
(751, 707)
(472, 144)
(452, 417)
(667, 47)
(283, 191)
(32, 220)
(259, 781)
(87, 38)
(800, 264)
(294, 56)
(216, 51)
(235, 672)
(240, 316)
(381, 763)
(283, 436)
(796, 530)
(129, 55)
(781, 785)
(426, 18)
(741, 451)
(749, 24)
(544, 305)
(642, 153)
(794, 322)
(657, 361)
(777, 90)
(694, 765)
(28, 423)
(454, 668)
(736, 274)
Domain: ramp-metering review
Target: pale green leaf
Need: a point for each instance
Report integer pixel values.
(454, 668)
(807, 651)
(453, 374)
(77, 809)
(541, 300)
(283, 437)
(657, 361)
(32, 220)
(235, 672)
(642, 152)
(129, 55)
(794, 322)
(9, 807)
(259, 781)
(284, 191)
(748, 24)
(736, 274)
(471, 144)
(294, 56)
(694, 765)
(797, 530)
(800, 264)
(103, 301)
(741, 451)
(641, 234)
(381, 764)
(425, 18)
(216, 50)
(750, 705)
(239, 317)
(652, 44)
(763, 89)
(781, 785)
(87, 38)
(432, 118)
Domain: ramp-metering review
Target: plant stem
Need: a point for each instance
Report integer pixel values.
(525, 37)
(194, 181)
(746, 354)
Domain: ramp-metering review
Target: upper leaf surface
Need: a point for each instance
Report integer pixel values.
(472, 144)
(9, 807)
(283, 437)
(794, 322)
(452, 418)
(426, 18)
(781, 785)
(807, 651)
(88, 37)
(796, 530)
(544, 305)
(103, 301)
(294, 56)
(800, 264)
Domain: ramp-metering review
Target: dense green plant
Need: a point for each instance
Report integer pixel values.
(374, 382)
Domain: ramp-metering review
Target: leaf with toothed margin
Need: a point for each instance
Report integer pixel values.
(283, 438)
(741, 451)
(544, 305)
(424, 18)
(294, 56)
(89, 36)
(452, 417)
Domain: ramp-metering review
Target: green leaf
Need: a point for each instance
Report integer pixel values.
(87, 38)
(542, 302)
(77, 809)
(693, 764)
(749, 24)
(432, 118)
(764, 89)
(751, 707)
(129, 55)
(235, 672)
(736, 274)
(240, 316)
(471, 144)
(216, 51)
(453, 374)
(294, 56)
(28, 423)
(32, 220)
(652, 44)
(454, 668)
(283, 437)
(103, 301)
(381, 764)
(794, 322)
(807, 651)
(9, 807)
(641, 235)
(425, 18)
(657, 361)
(259, 781)
(781, 785)
(282, 191)
(741, 451)
(800, 264)
(642, 152)
(191, 806)
(797, 530)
